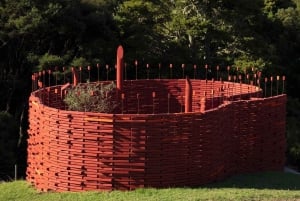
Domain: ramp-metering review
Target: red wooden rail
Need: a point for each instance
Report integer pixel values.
(230, 130)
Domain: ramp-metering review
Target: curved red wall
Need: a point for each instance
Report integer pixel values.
(77, 151)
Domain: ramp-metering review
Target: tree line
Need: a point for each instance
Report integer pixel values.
(37, 35)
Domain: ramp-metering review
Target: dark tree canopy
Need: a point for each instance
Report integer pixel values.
(36, 35)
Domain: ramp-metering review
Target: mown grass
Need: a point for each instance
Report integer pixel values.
(260, 186)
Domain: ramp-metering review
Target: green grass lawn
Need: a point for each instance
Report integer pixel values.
(259, 186)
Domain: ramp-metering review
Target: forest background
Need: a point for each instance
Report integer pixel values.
(37, 35)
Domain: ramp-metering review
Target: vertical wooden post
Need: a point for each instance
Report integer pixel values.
(228, 70)
(98, 71)
(159, 66)
(120, 54)
(75, 76)
(32, 82)
(277, 84)
(89, 69)
(218, 68)
(266, 80)
(271, 80)
(107, 68)
(148, 71)
(80, 74)
(123, 97)
(283, 80)
(64, 71)
(136, 71)
(206, 66)
(188, 95)
(16, 172)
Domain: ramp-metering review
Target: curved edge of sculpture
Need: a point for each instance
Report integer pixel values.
(79, 151)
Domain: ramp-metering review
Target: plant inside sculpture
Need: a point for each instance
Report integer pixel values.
(92, 97)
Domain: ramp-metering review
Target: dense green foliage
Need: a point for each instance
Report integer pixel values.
(8, 144)
(252, 187)
(36, 35)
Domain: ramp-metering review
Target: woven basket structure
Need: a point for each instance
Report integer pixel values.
(151, 141)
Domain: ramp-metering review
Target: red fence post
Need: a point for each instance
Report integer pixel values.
(120, 54)
(188, 95)
(75, 76)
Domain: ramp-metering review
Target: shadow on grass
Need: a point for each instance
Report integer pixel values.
(264, 180)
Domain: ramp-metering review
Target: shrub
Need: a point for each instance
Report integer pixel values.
(92, 97)
(294, 154)
(80, 61)
(293, 132)
(47, 61)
